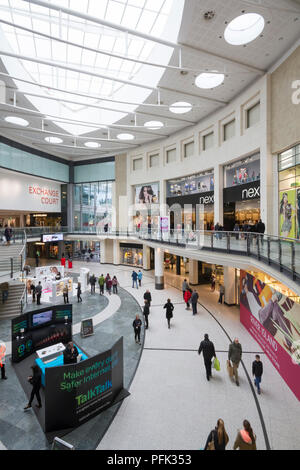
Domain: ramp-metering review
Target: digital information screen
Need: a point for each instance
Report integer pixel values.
(41, 318)
(55, 237)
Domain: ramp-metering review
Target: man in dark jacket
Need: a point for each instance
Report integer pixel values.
(194, 300)
(35, 380)
(208, 353)
(147, 296)
(70, 354)
(38, 291)
(146, 312)
(257, 371)
(137, 324)
(93, 283)
(235, 356)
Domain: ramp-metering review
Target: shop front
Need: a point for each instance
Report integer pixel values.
(289, 193)
(191, 202)
(241, 194)
(131, 254)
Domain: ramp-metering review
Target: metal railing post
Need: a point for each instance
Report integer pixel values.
(228, 242)
(248, 244)
(293, 261)
(269, 251)
(280, 255)
(11, 268)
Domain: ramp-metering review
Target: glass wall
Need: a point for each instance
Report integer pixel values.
(92, 206)
(289, 193)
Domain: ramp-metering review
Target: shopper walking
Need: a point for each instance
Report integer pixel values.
(169, 311)
(137, 323)
(109, 285)
(213, 283)
(185, 287)
(106, 281)
(37, 258)
(134, 277)
(222, 292)
(194, 301)
(147, 296)
(93, 284)
(217, 438)
(2, 360)
(38, 291)
(245, 439)
(78, 288)
(101, 282)
(33, 290)
(146, 313)
(7, 234)
(115, 284)
(187, 296)
(140, 277)
(66, 294)
(35, 380)
(208, 349)
(235, 356)
(257, 371)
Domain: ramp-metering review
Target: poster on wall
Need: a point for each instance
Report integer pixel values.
(76, 393)
(298, 213)
(147, 194)
(164, 224)
(274, 322)
(287, 213)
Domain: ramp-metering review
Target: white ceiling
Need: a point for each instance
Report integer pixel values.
(203, 47)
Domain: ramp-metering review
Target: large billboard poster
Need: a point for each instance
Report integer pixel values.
(75, 393)
(274, 322)
(287, 213)
(147, 194)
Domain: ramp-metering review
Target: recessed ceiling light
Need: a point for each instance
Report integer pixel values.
(209, 80)
(181, 107)
(153, 125)
(93, 145)
(244, 29)
(125, 136)
(17, 120)
(53, 140)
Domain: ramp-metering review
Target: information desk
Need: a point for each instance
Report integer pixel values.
(51, 352)
(56, 362)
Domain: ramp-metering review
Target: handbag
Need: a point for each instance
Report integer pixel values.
(211, 444)
(230, 369)
(216, 364)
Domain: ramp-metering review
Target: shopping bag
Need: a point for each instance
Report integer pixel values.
(216, 364)
(230, 369)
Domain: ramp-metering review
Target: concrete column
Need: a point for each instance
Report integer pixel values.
(219, 185)
(193, 272)
(178, 265)
(61, 249)
(70, 213)
(146, 257)
(116, 252)
(102, 251)
(159, 269)
(229, 284)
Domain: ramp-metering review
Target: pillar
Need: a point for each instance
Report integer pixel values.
(178, 265)
(146, 257)
(193, 272)
(70, 210)
(159, 269)
(218, 194)
(116, 252)
(230, 285)
(103, 251)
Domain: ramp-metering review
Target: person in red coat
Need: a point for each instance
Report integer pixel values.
(187, 296)
(63, 260)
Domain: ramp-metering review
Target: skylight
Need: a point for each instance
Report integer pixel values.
(125, 136)
(181, 107)
(17, 120)
(153, 125)
(53, 140)
(209, 80)
(153, 17)
(244, 29)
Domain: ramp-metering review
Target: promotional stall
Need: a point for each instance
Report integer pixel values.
(71, 393)
(53, 281)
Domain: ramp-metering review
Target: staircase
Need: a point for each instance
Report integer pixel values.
(6, 265)
(12, 306)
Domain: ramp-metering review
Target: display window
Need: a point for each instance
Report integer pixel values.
(199, 183)
(132, 256)
(242, 172)
(92, 205)
(289, 193)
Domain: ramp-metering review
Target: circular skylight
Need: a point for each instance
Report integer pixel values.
(181, 107)
(209, 80)
(125, 136)
(53, 140)
(17, 120)
(153, 125)
(92, 145)
(244, 29)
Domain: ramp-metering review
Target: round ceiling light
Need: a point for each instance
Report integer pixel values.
(153, 125)
(125, 136)
(209, 80)
(181, 107)
(244, 29)
(92, 145)
(17, 120)
(53, 140)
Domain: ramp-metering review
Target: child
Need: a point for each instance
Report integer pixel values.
(257, 371)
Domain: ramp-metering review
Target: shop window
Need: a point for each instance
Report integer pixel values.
(208, 141)
(229, 130)
(154, 160)
(287, 159)
(188, 149)
(137, 164)
(171, 156)
(243, 171)
(253, 115)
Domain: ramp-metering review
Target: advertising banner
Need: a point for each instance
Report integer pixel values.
(147, 194)
(49, 271)
(27, 193)
(164, 224)
(274, 322)
(75, 393)
(287, 213)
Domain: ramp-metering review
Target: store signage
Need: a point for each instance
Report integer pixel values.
(27, 193)
(193, 199)
(78, 392)
(242, 192)
(251, 193)
(207, 200)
